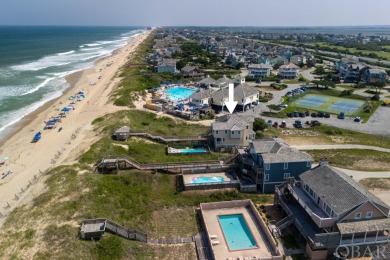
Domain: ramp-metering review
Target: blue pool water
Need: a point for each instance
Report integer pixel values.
(194, 150)
(237, 233)
(207, 179)
(179, 93)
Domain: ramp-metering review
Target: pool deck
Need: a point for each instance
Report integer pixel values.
(188, 177)
(221, 249)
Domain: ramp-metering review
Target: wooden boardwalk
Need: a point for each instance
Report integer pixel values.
(163, 139)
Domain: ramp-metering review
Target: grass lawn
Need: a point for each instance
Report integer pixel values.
(327, 135)
(356, 159)
(47, 227)
(148, 122)
(376, 183)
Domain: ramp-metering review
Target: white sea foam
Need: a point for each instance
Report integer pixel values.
(39, 86)
(65, 53)
(91, 49)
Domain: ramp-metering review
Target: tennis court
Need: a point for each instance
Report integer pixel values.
(330, 104)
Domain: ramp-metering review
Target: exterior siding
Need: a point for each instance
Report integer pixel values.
(363, 209)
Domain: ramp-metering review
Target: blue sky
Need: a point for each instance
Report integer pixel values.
(200, 12)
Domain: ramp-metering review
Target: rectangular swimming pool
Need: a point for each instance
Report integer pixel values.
(207, 179)
(237, 233)
(179, 93)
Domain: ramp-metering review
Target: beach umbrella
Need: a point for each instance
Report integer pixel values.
(66, 109)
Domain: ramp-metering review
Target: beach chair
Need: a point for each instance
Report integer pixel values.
(215, 242)
(212, 236)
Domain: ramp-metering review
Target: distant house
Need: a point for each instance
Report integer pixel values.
(373, 76)
(245, 95)
(265, 60)
(191, 71)
(233, 130)
(298, 59)
(279, 61)
(330, 210)
(259, 70)
(207, 82)
(122, 133)
(289, 71)
(167, 65)
(201, 97)
(270, 162)
(350, 69)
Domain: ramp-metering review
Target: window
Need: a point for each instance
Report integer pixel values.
(328, 209)
(311, 192)
(266, 177)
(225, 132)
(238, 132)
(223, 139)
(306, 188)
(285, 166)
(246, 138)
(369, 214)
(358, 215)
(286, 175)
(308, 164)
(324, 206)
(267, 166)
(216, 132)
(247, 127)
(232, 132)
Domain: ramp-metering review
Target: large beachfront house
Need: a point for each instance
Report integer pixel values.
(350, 69)
(232, 130)
(330, 209)
(270, 162)
(259, 70)
(373, 76)
(245, 95)
(167, 65)
(288, 71)
(201, 97)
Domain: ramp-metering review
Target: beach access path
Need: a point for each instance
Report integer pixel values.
(28, 161)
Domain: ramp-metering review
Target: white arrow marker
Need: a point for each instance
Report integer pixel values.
(231, 104)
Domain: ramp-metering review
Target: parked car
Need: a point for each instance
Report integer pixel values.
(298, 124)
(283, 105)
(275, 125)
(302, 114)
(321, 114)
(290, 114)
(283, 124)
(307, 113)
(296, 114)
(357, 119)
(315, 123)
(327, 115)
(269, 122)
(314, 114)
(341, 115)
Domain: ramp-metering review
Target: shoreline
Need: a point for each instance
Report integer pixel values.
(27, 160)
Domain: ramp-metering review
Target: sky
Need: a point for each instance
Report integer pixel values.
(197, 13)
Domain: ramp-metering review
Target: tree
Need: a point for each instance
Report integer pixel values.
(317, 83)
(378, 86)
(319, 70)
(328, 83)
(240, 65)
(181, 64)
(259, 125)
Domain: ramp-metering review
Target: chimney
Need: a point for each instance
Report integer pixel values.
(324, 161)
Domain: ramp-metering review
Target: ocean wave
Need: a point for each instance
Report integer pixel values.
(91, 49)
(38, 87)
(65, 53)
(91, 44)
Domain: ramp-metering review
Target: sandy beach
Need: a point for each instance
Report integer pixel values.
(27, 160)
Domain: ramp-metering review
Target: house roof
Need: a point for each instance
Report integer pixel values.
(224, 79)
(241, 91)
(337, 189)
(168, 62)
(234, 123)
(289, 66)
(188, 69)
(274, 150)
(377, 71)
(207, 81)
(364, 226)
(260, 66)
(201, 94)
(123, 129)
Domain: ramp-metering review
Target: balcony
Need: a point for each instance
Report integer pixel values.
(320, 218)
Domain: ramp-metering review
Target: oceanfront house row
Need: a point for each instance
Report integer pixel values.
(167, 66)
(270, 162)
(246, 96)
(329, 209)
(288, 71)
(259, 70)
(232, 131)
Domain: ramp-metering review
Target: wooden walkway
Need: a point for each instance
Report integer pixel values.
(163, 139)
(122, 163)
(134, 234)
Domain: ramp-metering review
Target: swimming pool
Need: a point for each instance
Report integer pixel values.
(237, 233)
(207, 179)
(193, 150)
(179, 93)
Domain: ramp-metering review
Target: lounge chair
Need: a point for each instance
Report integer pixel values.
(215, 242)
(212, 236)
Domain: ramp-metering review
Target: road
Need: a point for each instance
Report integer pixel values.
(359, 175)
(340, 146)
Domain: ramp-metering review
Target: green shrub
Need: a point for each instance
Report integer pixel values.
(259, 125)
(110, 248)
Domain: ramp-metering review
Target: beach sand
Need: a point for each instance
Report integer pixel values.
(28, 161)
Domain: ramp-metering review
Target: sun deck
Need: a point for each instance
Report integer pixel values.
(266, 248)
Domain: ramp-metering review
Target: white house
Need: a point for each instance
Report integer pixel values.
(167, 65)
(288, 71)
(259, 70)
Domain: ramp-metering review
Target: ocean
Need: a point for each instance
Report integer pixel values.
(34, 61)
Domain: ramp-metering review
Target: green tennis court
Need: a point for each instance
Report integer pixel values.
(330, 104)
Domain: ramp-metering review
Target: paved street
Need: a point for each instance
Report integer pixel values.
(340, 146)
